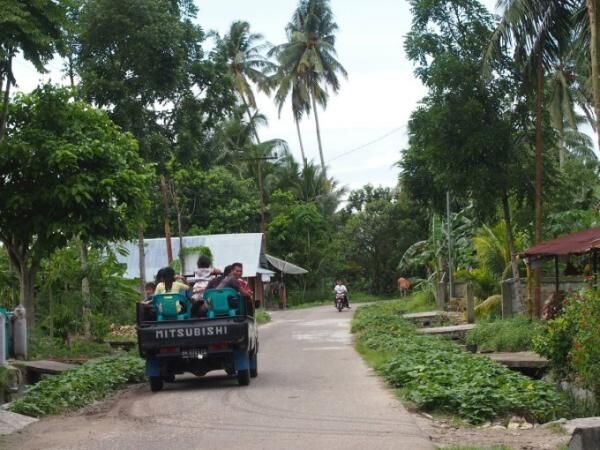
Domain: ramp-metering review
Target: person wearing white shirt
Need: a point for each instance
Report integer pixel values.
(339, 288)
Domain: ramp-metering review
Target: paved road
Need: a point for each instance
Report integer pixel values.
(313, 392)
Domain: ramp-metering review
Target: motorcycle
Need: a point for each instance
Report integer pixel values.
(339, 301)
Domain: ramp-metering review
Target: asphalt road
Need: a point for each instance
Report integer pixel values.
(313, 392)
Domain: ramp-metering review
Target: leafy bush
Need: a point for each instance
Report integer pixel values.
(44, 347)
(572, 342)
(435, 375)
(489, 309)
(81, 386)
(508, 335)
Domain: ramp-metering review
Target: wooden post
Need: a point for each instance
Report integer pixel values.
(557, 276)
(3, 338)
(470, 303)
(507, 298)
(441, 295)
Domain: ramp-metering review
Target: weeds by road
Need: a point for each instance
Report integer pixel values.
(435, 375)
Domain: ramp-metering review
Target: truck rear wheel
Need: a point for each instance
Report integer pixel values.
(243, 377)
(253, 364)
(156, 384)
(170, 378)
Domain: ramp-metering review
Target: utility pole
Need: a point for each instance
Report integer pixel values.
(450, 265)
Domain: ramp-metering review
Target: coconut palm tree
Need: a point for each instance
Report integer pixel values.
(247, 64)
(284, 84)
(309, 56)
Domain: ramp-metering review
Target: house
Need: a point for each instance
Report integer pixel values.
(226, 249)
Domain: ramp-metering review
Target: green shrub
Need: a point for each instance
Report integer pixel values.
(41, 347)
(572, 342)
(80, 386)
(508, 335)
(435, 375)
(489, 309)
(484, 282)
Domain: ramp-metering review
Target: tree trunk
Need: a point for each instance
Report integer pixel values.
(301, 144)
(250, 121)
(593, 18)
(4, 113)
(173, 192)
(314, 105)
(261, 200)
(26, 283)
(562, 147)
(163, 190)
(86, 296)
(511, 247)
(142, 260)
(50, 312)
(538, 171)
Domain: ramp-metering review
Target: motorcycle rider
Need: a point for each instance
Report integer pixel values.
(339, 288)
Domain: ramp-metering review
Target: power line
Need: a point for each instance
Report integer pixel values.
(374, 141)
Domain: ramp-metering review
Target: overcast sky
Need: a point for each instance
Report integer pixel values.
(375, 101)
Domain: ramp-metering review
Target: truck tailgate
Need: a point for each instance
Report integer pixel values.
(194, 333)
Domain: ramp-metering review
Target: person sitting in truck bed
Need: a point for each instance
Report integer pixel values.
(169, 283)
(234, 281)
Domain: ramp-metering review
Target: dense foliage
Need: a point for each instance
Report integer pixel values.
(508, 335)
(571, 341)
(435, 375)
(79, 387)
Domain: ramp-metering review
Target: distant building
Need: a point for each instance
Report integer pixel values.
(225, 248)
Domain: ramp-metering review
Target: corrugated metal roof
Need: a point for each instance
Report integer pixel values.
(225, 248)
(572, 244)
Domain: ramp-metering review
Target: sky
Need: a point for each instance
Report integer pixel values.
(374, 103)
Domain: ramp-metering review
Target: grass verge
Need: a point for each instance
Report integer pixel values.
(434, 375)
(79, 387)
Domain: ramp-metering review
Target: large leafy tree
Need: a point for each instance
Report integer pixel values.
(66, 170)
(308, 60)
(381, 224)
(470, 134)
(32, 28)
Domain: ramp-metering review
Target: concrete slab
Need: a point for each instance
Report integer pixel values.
(11, 422)
(454, 331)
(585, 433)
(44, 366)
(518, 360)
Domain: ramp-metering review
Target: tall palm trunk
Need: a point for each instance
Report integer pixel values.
(511, 247)
(314, 107)
(86, 295)
(300, 140)
(250, 121)
(593, 18)
(538, 171)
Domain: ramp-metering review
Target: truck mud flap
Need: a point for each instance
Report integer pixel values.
(152, 367)
(241, 360)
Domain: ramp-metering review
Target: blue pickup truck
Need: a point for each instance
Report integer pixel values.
(173, 342)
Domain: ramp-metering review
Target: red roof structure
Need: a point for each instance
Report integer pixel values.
(571, 244)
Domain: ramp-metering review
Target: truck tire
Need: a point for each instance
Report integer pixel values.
(253, 365)
(156, 384)
(170, 378)
(243, 377)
